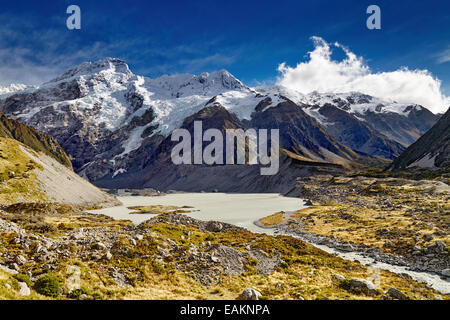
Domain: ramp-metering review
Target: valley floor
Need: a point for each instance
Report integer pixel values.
(51, 251)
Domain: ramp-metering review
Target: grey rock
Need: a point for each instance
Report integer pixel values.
(347, 247)
(428, 237)
(338, 277)
(20, 260)
(14, 266)
(23, 289)
(108, 256)
(39, 249)
(396, 294)
(250, 294)
(73, 281)
(8, 270)
(214, 226)
(231, 260)
(363, 286)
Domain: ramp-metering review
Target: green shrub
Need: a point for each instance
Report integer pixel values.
(75, 294)
(345, 284)
(97, 296)
(48, 285)
(23, 278)
(158, 267)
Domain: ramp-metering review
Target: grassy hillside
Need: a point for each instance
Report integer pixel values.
(40, 142)
(17, 174)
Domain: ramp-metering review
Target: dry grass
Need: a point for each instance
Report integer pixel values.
(17, 176)
(274, 219)
(392, 214)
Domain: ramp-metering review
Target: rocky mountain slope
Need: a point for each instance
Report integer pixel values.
(158, 171)
(432, 150)
(34, 168)
(113, 123)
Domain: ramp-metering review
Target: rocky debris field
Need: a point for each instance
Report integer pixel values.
(66, 253)
(392, 220)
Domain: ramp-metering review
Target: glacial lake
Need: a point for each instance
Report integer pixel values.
(240, 209)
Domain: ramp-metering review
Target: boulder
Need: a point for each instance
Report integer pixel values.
(266, 264)
(339, 277)
(363, 286)
(396, 294)
(214, 226)
(428, 237)
(20, 260)
(108, 256)
(73, 281)
(23, 289)
(250, 294)
(14, 266)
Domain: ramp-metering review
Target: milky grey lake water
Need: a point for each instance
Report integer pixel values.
(238, 209)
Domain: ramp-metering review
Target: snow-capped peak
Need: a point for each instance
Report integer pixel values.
(112, 65)
(359, 103)
(205, 84)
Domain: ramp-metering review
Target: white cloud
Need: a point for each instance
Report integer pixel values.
(323, 74)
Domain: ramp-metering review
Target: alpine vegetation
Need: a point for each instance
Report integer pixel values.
(236, 141)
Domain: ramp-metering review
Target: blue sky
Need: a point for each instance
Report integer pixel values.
(248, 38)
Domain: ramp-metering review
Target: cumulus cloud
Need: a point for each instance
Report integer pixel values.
(323, 74)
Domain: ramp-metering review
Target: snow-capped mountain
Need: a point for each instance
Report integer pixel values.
(102, 110)
(111, 121)
(403, 123)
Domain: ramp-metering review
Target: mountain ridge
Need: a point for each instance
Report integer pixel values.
(110, 120)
